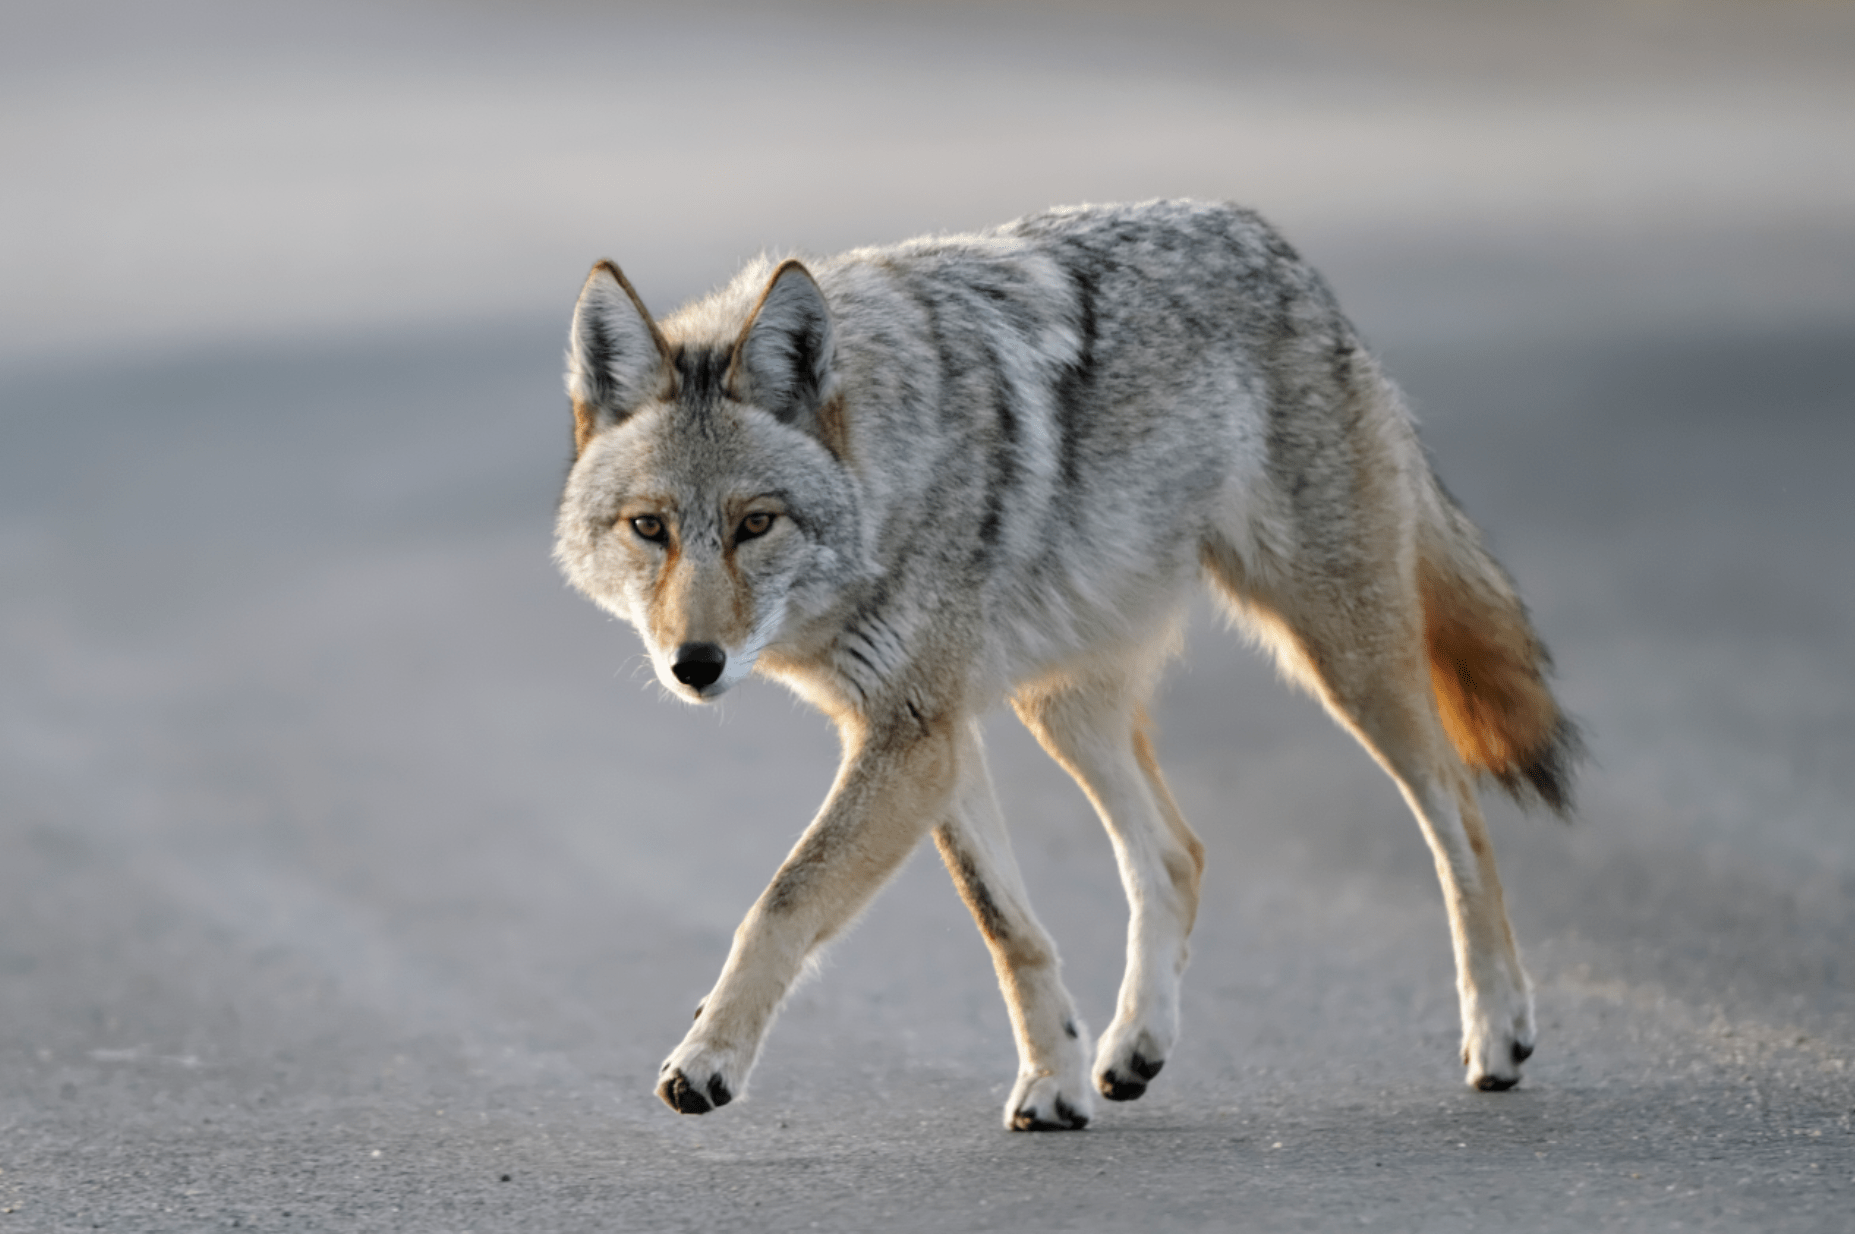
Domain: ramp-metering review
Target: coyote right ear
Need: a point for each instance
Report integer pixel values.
(616, 357)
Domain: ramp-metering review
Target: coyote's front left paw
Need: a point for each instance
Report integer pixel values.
(694, 1080)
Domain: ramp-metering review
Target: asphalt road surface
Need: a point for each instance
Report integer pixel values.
(355, 876)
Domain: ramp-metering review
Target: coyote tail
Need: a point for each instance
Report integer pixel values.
(1487, 666)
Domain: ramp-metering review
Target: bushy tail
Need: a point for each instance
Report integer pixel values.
(1487, 665)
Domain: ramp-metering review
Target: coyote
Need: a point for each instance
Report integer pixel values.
(911, 482)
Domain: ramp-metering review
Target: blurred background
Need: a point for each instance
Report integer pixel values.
(349, 865)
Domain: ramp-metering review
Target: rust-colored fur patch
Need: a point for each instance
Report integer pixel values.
(993, 923)
(585, 424)
(1487, 668)
(1186, 879)
(833, 429)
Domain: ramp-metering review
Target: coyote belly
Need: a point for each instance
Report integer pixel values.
(914, 482)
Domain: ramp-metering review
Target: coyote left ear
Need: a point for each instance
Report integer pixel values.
(616, 356)
(783, 360)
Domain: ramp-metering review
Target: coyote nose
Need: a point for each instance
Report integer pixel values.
(698, 664)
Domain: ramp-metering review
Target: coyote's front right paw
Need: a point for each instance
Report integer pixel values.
(694, 1080)
(1127, 1060)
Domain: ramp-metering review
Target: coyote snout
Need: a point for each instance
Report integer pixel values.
(701, 612)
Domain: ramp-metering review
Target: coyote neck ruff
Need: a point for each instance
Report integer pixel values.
(912, 482)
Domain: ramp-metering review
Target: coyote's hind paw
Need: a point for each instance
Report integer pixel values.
(695, 1081)
(1495, 1067)
(1494, 1045)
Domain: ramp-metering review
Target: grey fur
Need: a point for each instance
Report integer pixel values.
(992, 465)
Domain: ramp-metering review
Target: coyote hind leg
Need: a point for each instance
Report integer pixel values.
(1052, 1091)
(1097, 730)
(1361, 652)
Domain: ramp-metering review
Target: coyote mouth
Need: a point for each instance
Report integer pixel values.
(705, 694)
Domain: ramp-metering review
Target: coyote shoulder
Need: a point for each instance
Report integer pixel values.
(913, 482)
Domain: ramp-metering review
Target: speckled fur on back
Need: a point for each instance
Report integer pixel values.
(915, 481)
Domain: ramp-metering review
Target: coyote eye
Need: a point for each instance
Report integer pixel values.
(649, 527)
(754, 526)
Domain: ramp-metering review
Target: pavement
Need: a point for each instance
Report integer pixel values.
(354, 875)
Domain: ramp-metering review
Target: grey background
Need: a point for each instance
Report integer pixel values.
(349, 865)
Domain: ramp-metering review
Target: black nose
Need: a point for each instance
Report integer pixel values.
(698, 664)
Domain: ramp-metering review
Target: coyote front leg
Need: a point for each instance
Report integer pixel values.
(896, 781)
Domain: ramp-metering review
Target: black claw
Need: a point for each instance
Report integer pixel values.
(1496, 1083)
(718, 1093)
(1114, 1088)
(1069, 1026)
(1067, 1119)
(699, 1007)
(1144, 1068)
(681, 1096)
(1522, 1051)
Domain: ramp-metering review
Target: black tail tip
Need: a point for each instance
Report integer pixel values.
(1546, 777)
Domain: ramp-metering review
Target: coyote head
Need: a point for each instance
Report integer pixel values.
(707, 504)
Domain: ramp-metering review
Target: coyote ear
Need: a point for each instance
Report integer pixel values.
(616, 358)
(784, 358)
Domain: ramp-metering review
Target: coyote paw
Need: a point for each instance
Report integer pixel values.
(1042, 1103)
(1494, 1048)
(694, 1080)
(1125, 1062)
